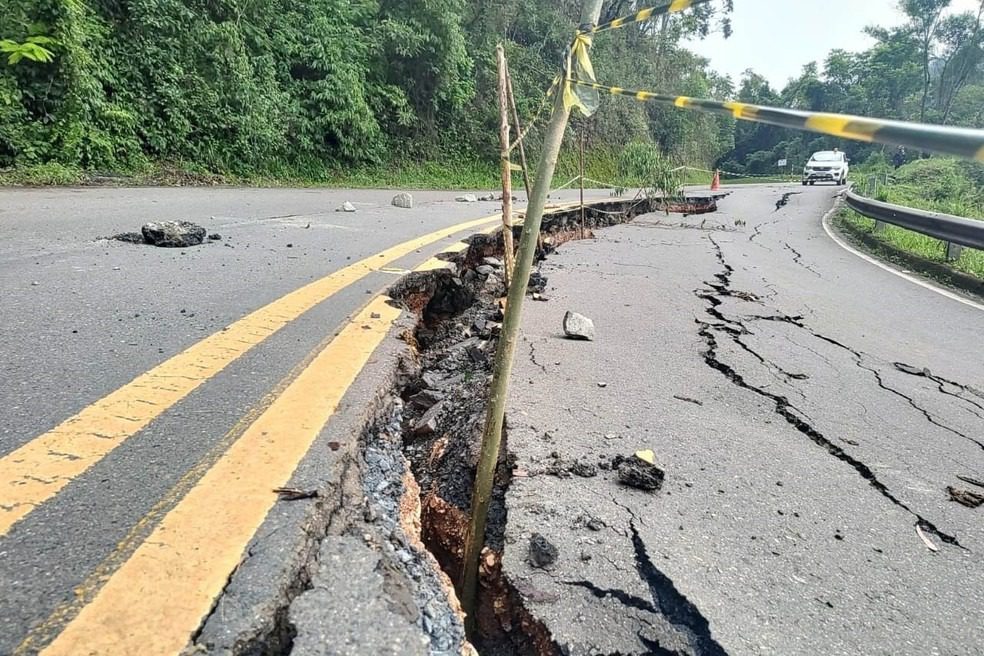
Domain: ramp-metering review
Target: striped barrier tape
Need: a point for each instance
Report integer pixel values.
(735, 174)
(962, 142)
(577, 63)
(665, 7)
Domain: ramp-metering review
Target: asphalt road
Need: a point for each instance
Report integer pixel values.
(757, 359)
(82, 317)
(110, 440)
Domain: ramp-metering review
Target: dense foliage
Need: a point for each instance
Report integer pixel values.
(312, 88)
(930, 68)
(303, 87)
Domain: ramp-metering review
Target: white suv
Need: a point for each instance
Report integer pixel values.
(826, 165)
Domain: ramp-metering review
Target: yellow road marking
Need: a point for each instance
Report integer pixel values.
(42, 633)
(38, 470)
(158, 597)
(153, 602)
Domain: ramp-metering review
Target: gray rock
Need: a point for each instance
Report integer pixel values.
(492, 261)
(578, 326)
(427, 424)
(485, 269)
(349, 207)
(173, 234)
(467, 198)
(494, 285)
(542, 552)
(435, 381)
(403, 200)
(425, 399)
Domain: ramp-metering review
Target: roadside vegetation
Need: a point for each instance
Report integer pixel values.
(401, 93)
(937, 184)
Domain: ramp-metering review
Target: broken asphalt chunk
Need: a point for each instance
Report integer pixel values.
(173, 234)
(636, 472)
(427, 425)
(542, 552)
(578, 326)
(965, 497)
(425, 399)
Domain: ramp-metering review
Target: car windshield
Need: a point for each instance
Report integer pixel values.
(826, 157)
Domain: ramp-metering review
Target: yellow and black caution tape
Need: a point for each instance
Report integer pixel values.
(962, 142)
(664, 7)
(577, 64)
(578, 67)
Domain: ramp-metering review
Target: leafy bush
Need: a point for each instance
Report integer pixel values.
(643, 165)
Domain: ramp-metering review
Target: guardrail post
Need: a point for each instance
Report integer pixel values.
(953, 251)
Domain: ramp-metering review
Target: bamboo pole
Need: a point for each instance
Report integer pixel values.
(499, 387)
(581, 180)
(507, 225)
(519, 131)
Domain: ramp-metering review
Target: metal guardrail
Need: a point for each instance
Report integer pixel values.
(954, 230)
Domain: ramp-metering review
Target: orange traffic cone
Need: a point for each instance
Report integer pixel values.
(716, 182)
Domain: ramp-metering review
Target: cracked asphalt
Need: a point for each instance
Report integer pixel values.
(810, 411)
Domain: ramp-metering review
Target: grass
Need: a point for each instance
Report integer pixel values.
(971, 260)
(935, 184)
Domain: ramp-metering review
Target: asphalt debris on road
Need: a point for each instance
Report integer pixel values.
(965, 497)
(635, 472)
(168, 234)
(173, 234)
(543, 553)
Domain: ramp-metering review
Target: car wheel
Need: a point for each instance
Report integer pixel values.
(804, 183)
(811, 183)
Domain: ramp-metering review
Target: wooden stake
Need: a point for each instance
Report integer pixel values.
(499, 387)
(519, 132)
(507, 226)
(581, 180)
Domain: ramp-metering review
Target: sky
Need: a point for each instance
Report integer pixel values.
(777, 37)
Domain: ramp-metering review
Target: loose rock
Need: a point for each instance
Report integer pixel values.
(578, 326)
(492, 261)
(215, 237)
(173, 234)
(636, 472)
(427, 424)
(485, 269)
(425, 399)
(403, 200)
(467, 198)
(349, 207)
(542, 552)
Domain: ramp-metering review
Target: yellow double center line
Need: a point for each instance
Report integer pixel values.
(39, 469)
(158, 597)
(150, 595)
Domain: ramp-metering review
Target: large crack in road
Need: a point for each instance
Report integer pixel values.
(798, 419)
